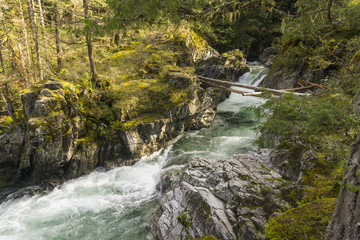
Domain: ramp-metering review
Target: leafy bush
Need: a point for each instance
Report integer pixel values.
(306, 119)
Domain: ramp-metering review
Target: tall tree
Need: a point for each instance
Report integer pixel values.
(42, 21)
(88, 40)
(24, 30)
(57, 38)
(33, 23)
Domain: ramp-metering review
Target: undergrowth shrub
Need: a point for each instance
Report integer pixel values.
(307, 120)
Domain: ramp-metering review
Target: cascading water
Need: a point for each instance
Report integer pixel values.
(118, 204)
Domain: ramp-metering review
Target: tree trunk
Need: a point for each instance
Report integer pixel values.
(328, 9)
(57, 38)
(2, 62)
(7, 103)
(117, 39)
(41, 14)
(23, 26)
(23, 65)
(32, 19)
(89, 43)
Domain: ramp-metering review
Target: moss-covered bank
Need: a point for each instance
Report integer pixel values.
(146, 95)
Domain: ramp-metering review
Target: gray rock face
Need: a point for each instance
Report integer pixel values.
(292, 164)
(51, 133)
(10, 150)
(345, 221)
(281, 77)
(228, 199)
(267, 57)
(50, 145)
(228, 66)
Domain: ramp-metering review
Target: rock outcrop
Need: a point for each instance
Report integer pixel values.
(46, 144)
(281, 77)
(53, 143)
(227, 199)
(267, 57)
(345, 220)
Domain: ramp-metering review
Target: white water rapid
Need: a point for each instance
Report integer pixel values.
(118, 204)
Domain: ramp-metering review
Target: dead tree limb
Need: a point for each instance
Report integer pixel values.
(310, 83)
(274, 91)
(225, 88)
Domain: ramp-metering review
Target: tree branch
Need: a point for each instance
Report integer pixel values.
(298, 14)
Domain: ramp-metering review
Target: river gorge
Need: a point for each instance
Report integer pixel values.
(119, 203)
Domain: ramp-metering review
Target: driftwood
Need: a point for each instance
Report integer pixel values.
(273, 91)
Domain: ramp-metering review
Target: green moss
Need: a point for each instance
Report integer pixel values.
(185, 219)
(355, 62)
(309, 221)
(264, 167)
(7, 121)
(207, 238)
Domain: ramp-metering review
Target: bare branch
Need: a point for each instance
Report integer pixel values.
(298, 14)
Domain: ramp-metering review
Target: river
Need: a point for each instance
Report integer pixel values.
(118, 204)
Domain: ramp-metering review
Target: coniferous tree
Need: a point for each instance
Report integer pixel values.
(88, 40)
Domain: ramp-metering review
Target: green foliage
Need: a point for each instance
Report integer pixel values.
(153, 10)
(185, 220)
(64, 72)
(316, 40)
(244, 25)
(352, 187)
(307, 119)
(7, 121)
(309, 221)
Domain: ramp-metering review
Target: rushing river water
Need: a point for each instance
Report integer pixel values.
(118, 204)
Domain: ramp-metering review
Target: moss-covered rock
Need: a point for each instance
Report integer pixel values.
(308, 221)
(148, 97)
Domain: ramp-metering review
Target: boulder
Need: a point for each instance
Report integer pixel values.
(227, 199)
(267, 57)
(282, 77)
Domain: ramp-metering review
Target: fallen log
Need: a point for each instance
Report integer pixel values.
(274, 91)
(253, 93)
(225, 88)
